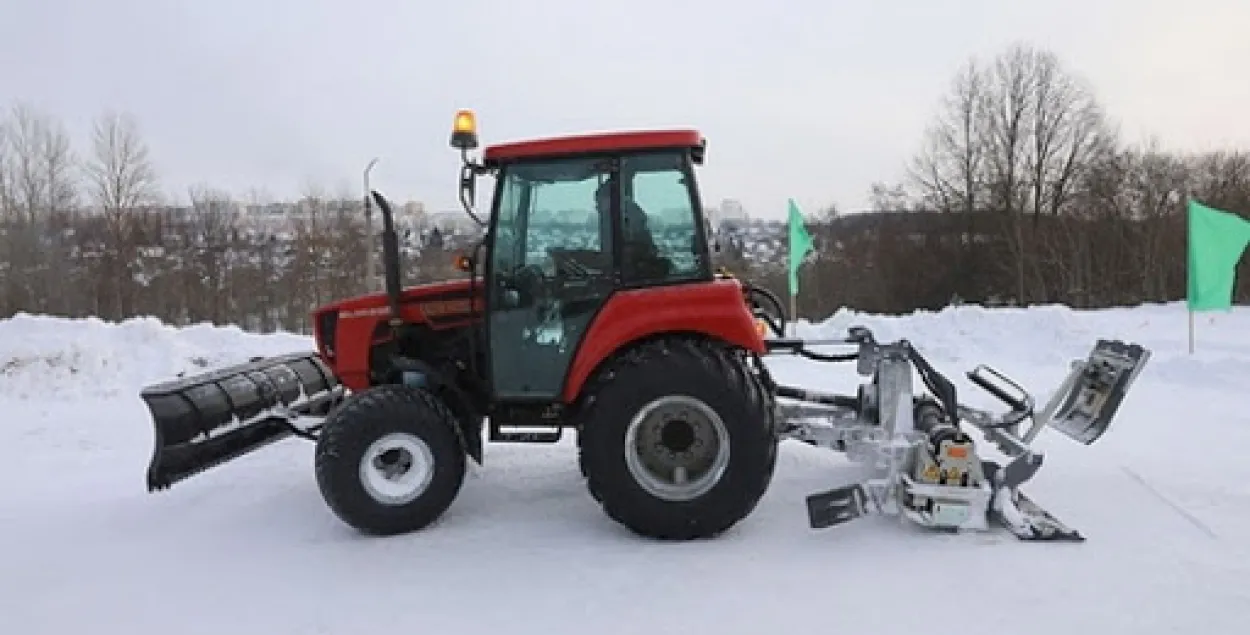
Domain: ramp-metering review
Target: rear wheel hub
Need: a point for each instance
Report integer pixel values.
(676, 448)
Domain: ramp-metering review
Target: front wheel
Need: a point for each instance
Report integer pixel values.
(389, 460)
(677, 439)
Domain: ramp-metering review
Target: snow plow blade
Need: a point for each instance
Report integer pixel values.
(214, 417)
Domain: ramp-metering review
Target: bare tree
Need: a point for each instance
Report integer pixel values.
(1070, 131)
(121, 172)
(25, 132)
(884, 197)
(7, 202)
(209, 268)
(1013, 136)
(38, 191)
(948, 172)
(9, 273)
(1045, 131)
(43, 162)
(122, 179)
(1141, 190)
(57, 171)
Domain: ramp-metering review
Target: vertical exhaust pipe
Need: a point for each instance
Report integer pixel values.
(390, 258)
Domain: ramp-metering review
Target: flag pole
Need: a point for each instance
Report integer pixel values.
(1191, 331)
(1189, 264)
(794, 314)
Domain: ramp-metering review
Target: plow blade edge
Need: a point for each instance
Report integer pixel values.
(211, 418)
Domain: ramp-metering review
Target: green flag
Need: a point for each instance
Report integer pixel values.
(1217, 240)
(800, 244)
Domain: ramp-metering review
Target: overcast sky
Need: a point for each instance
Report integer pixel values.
(812, 99)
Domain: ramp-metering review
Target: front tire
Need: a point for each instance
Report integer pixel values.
(389, 460)
(677, 439)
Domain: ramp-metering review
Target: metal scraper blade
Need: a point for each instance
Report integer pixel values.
(836, 506)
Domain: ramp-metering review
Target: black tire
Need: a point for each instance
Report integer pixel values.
(400, 413)
(708, 373)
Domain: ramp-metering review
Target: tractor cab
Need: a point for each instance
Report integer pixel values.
(574, 220)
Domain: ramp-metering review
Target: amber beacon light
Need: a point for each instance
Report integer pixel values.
(464, 130)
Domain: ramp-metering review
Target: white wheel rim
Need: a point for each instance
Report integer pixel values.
(666, 470)
(397, 468)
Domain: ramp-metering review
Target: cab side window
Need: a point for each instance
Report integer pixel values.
(659, 209)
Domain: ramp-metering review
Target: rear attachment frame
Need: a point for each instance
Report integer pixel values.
(921, 464)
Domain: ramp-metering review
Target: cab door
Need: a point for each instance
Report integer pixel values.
(550, 270)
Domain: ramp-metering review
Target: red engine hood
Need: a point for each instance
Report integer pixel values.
(376, 302)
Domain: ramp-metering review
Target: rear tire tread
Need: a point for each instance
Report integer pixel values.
(688, 364)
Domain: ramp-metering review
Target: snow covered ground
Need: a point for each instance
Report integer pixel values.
(249, 547)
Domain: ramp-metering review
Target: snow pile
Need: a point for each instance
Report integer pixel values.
(44, 357)
(1050, 336)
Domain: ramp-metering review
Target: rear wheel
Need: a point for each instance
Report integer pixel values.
(677, 439)
(389, 460)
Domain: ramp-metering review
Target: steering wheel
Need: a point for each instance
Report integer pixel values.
(530, 284)
(574, 263)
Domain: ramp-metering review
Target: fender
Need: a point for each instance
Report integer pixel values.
(715, 309)
(415, 372)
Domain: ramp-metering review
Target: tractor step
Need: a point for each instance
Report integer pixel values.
(525, 423)
(525, 436)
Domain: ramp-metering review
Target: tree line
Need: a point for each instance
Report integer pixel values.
(92, 234)
(1022, 192)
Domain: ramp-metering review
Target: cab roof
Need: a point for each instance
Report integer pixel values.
(592, 143)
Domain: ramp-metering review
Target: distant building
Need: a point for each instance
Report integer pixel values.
(731, 209)
(730, 214)
(455, 222)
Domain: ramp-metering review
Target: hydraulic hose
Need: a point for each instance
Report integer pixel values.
(755, 294)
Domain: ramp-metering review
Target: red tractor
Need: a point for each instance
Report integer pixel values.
(623, 333)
